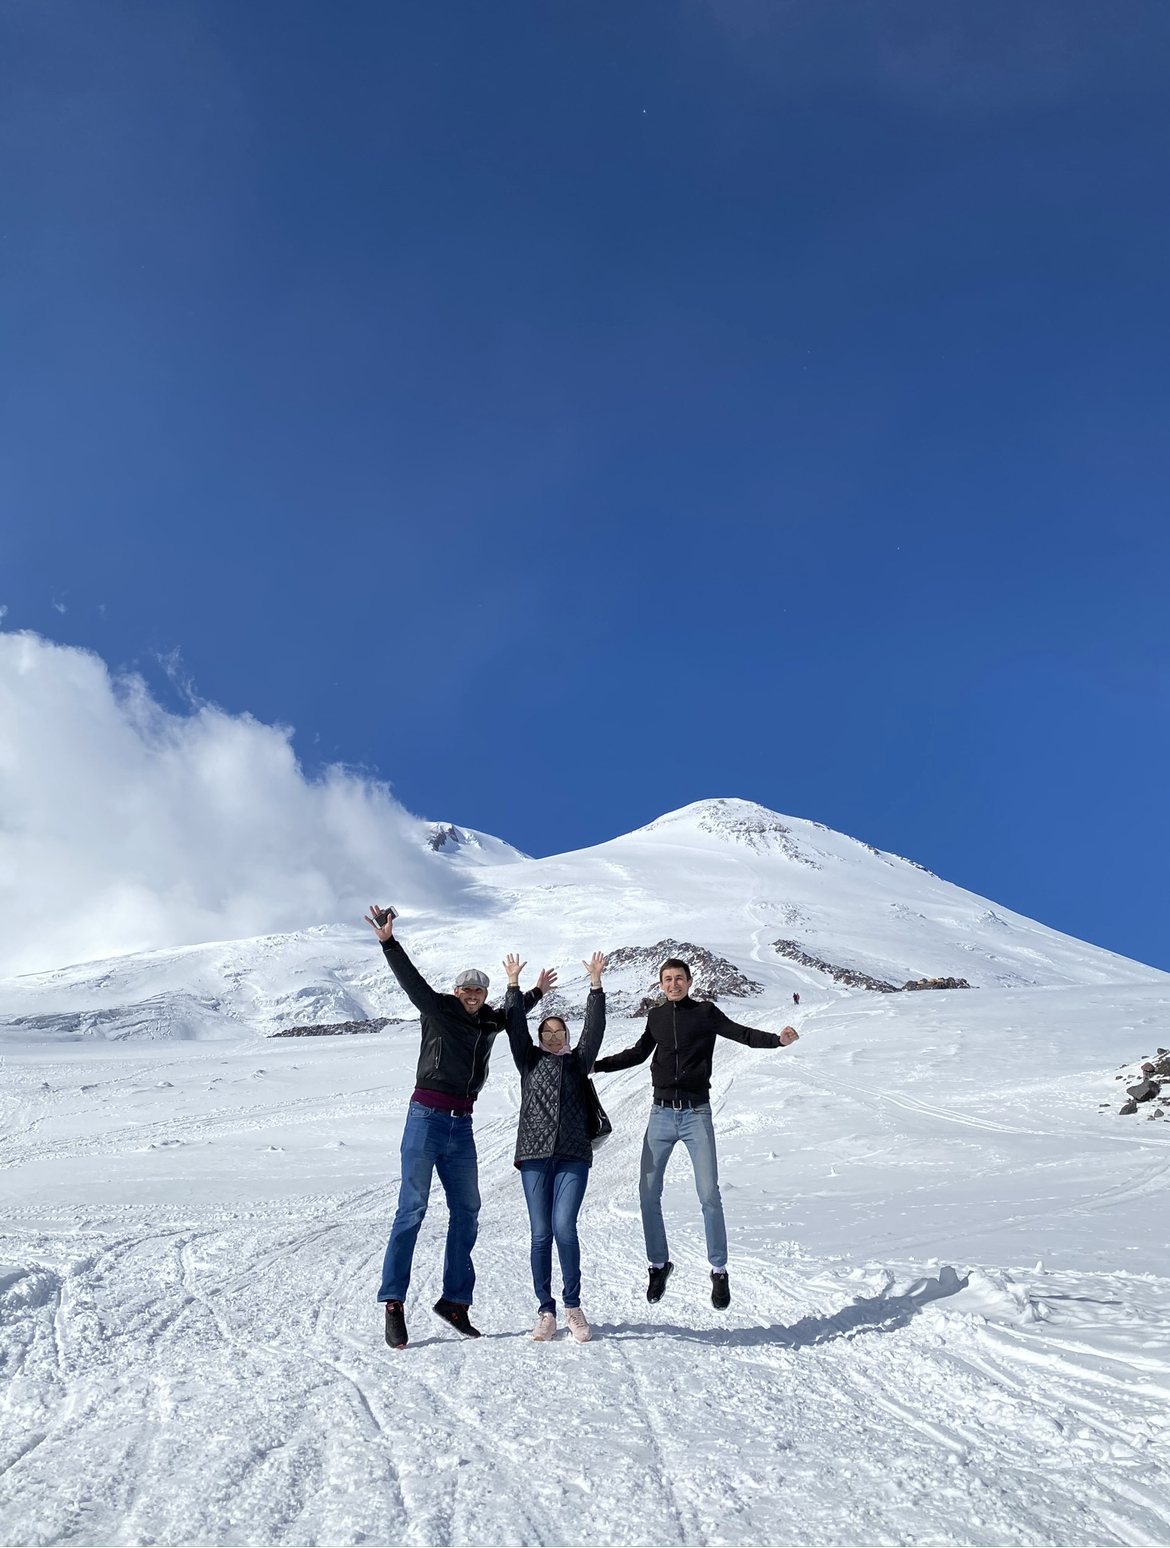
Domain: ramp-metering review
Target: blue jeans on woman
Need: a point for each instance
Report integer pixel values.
(553, 1191)
(434, 1141)
(695, 1128)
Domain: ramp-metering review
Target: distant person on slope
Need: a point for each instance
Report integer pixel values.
(796, 999)
(554, 1150)
(681, 1035)
(457, 1035)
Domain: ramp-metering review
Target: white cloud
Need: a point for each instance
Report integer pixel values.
(124, 826)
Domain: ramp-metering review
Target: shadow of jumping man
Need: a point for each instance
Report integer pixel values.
(881, 1313)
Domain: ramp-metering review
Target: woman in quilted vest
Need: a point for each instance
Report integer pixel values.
(554, 1147)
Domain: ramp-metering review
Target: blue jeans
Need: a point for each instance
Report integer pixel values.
(694, 1126)
(435, 1141)
(553, 1191)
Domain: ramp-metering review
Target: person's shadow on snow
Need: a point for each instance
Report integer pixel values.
(878, 1313)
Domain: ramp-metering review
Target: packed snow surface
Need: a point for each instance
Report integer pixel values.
(950, 1317)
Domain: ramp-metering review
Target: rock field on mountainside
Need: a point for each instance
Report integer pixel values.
(854, 978)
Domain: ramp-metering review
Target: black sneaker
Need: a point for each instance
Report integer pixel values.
(720, 1290)
(658, 1278)
(455, 1313)
(395, 1325)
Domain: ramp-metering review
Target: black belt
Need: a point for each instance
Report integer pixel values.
(680, 1103)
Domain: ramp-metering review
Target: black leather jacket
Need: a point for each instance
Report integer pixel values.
(455, 1046)
(552, 1086)
(681, 1035)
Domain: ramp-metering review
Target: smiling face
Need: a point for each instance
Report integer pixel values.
(675, 982)
(471, 997)
(553, 1034)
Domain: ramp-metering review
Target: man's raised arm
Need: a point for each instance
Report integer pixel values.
(418, 991)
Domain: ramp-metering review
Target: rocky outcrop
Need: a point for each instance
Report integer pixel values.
(340, 1028)
(1148, 1087)
(937, 983)
(442, 836)
(714, 977)
(854, 978)
(755, 826)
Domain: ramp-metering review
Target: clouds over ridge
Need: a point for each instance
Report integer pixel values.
(124, 826)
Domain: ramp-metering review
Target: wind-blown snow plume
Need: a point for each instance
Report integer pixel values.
(124, 826)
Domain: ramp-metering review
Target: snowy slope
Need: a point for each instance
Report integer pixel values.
(951, 1283)
(727, 875)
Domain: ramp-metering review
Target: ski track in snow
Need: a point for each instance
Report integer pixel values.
(216, 1374)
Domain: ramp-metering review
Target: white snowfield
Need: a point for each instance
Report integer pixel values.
(950, 1318)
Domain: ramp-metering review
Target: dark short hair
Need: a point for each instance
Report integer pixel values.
(675, 962)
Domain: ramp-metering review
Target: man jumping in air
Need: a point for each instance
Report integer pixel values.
(681, 1035)
(458, 1031)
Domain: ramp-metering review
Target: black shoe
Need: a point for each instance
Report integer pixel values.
(455, 1313)
(395, 1325)
(720, 1290)
(658, 1278)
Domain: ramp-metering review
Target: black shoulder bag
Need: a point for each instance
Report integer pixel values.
(597, 1122)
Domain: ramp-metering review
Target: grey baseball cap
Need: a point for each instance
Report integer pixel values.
(472, 978)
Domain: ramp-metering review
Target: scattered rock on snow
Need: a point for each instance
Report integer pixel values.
(1128, 1107)
(1144, 1090)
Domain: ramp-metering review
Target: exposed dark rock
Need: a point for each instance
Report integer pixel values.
(937, 983)
(759, 829)
(1147, 1069)
(714, 977)
(1144, 1090)
(441, 837)
(1129, 1107)
(852, 978)
(340, 1028)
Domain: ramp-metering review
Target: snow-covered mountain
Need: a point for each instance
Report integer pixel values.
(790, 905)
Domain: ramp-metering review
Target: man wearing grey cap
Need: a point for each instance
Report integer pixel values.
(457, 1034)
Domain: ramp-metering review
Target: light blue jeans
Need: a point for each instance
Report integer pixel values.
(696, 1129)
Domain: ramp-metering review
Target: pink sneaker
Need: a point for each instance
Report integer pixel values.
(578, 1326)
(546, 1327)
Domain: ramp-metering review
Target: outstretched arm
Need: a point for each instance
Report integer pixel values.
(628, 1057)
(752, 1036)
(594, 1014)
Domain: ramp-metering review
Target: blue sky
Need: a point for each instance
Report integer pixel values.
(569, 413)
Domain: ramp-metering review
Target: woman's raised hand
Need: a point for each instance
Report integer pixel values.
(596, 966)
(513, 967)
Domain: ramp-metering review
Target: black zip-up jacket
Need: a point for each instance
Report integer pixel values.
(681, 1034)
(552, 1086)
(455, 1046)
